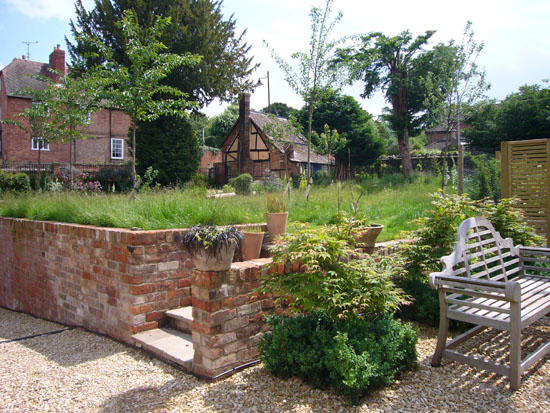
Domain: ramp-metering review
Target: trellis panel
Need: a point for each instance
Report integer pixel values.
(526, 175)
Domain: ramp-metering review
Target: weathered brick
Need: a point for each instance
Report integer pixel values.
(142, 289)
(235, 324)
(235, 347)
(168, 266)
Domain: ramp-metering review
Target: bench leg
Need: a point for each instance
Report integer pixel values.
(515, 346)
(443, 330)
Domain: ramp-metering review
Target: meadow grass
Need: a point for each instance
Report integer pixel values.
(392, 202)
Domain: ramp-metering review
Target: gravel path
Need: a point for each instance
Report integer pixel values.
(77, 371)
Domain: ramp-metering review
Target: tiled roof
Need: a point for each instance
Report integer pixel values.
(17, 75)
(299, 142)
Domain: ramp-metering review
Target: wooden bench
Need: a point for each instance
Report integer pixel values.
(489, 282)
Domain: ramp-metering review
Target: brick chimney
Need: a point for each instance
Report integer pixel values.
(57, 62)
(244, 147)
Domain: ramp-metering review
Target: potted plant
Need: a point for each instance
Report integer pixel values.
(359, 232)
(252, 242)
(277, 215)
(212, 248)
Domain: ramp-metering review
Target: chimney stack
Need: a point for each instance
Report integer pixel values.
(244, 141)
(57, 62)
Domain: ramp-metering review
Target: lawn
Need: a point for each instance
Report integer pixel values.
(390, 201)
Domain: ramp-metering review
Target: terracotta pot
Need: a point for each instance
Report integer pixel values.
(366, 236)
(276, 223)
(221, 261)
(252, 245)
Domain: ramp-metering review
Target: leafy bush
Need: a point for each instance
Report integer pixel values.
(227, 189)
(321, 178)
(18, 182)
(119, 177)
(198, 181)
(354, 357)
(327, 282)
(436, 234)
(241, 184)
(486, 181)
(296, 179)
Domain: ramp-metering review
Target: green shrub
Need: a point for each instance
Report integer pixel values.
(119, 177)
(296, 179)
(198, 181)
(486, 181)
(241, 184)
(354, 357)
(327, 282)
(436, 233)
(227, 189)
(14, 182)
(321, 178)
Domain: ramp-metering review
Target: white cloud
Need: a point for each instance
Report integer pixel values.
(46, 9)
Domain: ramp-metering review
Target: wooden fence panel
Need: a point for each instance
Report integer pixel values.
(526, 175)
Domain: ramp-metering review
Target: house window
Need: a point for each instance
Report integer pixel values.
(37, 143)
(117, 148)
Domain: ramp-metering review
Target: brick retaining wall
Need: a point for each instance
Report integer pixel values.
(112, 281)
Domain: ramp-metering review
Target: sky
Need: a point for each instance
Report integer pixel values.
(515, 33)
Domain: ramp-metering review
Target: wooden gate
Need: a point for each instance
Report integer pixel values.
(526, 175)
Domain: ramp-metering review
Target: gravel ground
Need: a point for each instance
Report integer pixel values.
(77, 371)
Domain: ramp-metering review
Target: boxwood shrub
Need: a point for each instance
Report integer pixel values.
(354, 357)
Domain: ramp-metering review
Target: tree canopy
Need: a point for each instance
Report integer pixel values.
(521, 115)
(198, 27)
(389, 63)
(344, 114)
(281, 110)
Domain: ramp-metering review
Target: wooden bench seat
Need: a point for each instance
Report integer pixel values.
(489, 282)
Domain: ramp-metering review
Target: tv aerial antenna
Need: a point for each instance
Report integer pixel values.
(29, 48)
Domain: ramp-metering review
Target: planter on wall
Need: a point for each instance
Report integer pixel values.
(221, 261)
(365, 237)
(252, 245)
(276, 223)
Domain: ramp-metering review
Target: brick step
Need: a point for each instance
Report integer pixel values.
(181, 319)
(167, 344)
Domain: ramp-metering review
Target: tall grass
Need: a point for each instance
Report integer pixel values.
(392, 202)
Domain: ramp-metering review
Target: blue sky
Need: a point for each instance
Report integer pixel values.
(515, 33)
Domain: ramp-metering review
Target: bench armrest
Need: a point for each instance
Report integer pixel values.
(510, 289)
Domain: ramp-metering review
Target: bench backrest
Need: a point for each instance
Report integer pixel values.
(480, 252)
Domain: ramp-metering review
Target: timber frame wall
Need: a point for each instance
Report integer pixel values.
(525, 169)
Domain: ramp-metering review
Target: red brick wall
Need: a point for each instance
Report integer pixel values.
(112, 281)
(228, 316)
(209, 158)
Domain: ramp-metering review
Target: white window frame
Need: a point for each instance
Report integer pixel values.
(34, 145)
(121, 148)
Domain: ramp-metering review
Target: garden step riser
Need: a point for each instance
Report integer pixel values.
(181, 319)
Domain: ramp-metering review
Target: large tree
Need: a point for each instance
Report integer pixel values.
(344, 114)
(198, 27)
(281, 110)
(170, 146)
(388, 63)
(314, 72)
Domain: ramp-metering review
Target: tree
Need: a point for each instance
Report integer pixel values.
(221, 125)
(163, 146)
(37, 121)
(457, 83)
(483, 133)
(136, 88)
(281, 110)
(525, 114)
(343, 113)
(315, 71)
(329, 142)
(198, 27)
(387, 63)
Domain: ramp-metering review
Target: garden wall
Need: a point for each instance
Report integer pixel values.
(112, 281)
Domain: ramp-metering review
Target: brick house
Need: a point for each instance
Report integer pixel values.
(107, 130)
(262, 154)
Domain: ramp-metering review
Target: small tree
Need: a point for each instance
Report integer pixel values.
(329, 142)
(136, 89)
(315, 73)
(37, 121)
(457, 83)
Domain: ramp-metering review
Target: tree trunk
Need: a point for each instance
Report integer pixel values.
(38, 175)
(310, 127)
(399, 109)
(134, 174)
